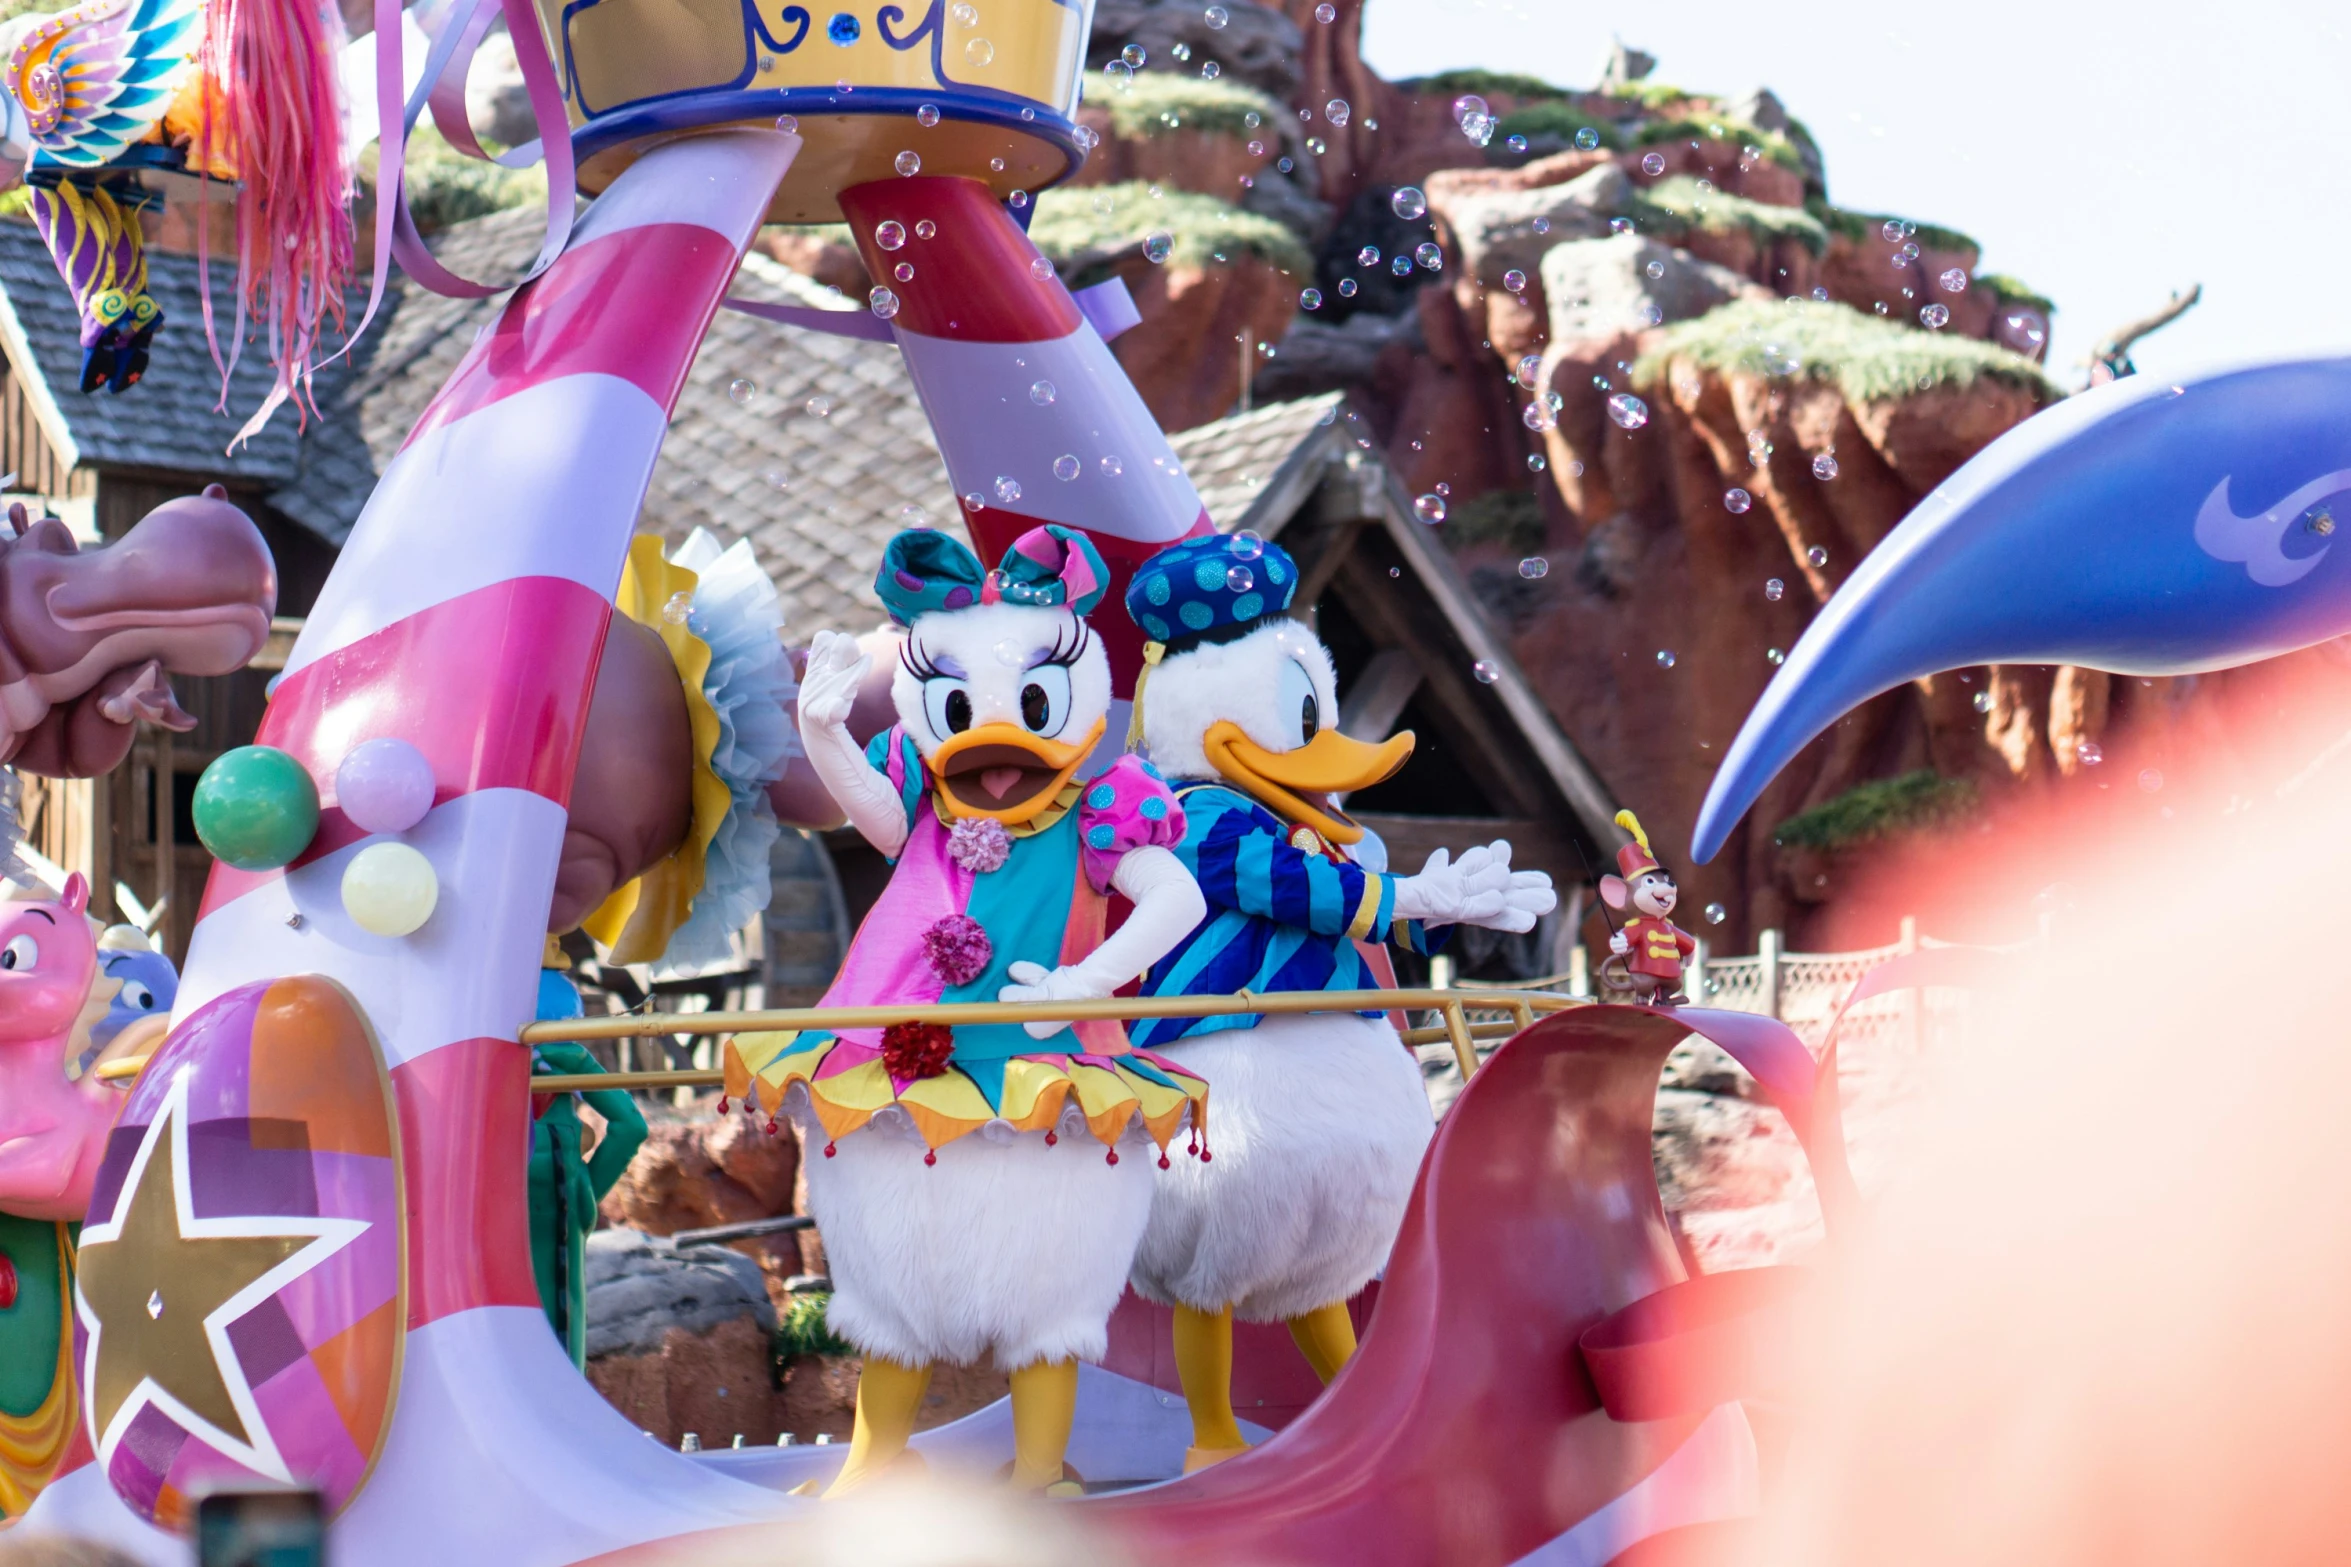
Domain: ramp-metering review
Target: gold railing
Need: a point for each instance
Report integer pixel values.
(1517, 1008)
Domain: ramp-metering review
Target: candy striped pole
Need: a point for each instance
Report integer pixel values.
(466, 615)
(1037, 421)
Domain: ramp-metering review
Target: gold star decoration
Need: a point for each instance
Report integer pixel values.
(158, 1289)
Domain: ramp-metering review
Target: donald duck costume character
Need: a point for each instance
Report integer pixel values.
(982, 1189)
(1321, 1117)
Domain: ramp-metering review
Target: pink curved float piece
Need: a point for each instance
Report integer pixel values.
(492, 545)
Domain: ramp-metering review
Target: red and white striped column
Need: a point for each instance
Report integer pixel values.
(1037, 421)
(466, 615)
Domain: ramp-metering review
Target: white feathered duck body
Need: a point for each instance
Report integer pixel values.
(1321, 1118)
(982, 1189)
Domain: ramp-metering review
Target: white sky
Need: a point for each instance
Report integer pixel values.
(2104, 152)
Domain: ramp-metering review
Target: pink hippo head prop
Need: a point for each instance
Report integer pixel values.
(54, 1113)
(89, 638)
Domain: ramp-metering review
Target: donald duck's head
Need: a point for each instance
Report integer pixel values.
(1235, 689)
(1001, 684)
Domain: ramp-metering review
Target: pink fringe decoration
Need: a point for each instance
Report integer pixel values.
(979, 844)
(272, 64)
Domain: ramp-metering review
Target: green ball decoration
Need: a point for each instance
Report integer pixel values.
(256, 808)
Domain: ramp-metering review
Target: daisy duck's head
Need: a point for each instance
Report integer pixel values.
(1002, 685)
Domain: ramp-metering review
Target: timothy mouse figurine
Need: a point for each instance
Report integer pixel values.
(1652, 946)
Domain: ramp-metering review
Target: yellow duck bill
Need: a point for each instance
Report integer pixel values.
(1297, 785)
(1003, 771)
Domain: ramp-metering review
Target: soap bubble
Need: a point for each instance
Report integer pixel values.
(1066, 468)
(1824, 466)
(965, 14)
(903, 271)
(1487, 671)
(973, 500)
(1515, 281)
(1655, 269)
(1428, 255)
(1248, 544)
(1774, 589)
(1628, 411)
(820, 405)
(1535, 462)
(927, 116)
(1534, 567)
(1586, 139)
(2028, 326)
(1040, 267)
(1716, 914)
(1134, 55)
(1007, 489)
(1016, 201)
(2150, 779)
(1216, 16)
(1773, 656)
(1529, 371)
(890, 235)
(882, 303)
(1401, 266)
(1240, 578)
(908, 162)
(1408, 203)
(978, 52)
(926, 229)
(1891, 231)
(1042, 393)
(1537, 416)
(1954, 280)
(1368, 256)
(1935, 317)
(1665, 658)
(1326, 13)
(1541, 225)
(1430, 508)
(789, 124)
(1736, 500)
(1158, 245)
(741, 390)
(1620, 225)
(1112, 467)
(1468, 105)
(1346, 288)
(2088, 752)
(1983, 701)
(1310, 299)
(1317, 146)
(1515, 143)
(1817, 555)
(1653, 163)
(1337, 111)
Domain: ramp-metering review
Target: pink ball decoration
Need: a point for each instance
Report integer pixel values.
(385, 785)
(958, 948)
(979, 844)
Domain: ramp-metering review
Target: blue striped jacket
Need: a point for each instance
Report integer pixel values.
(1279, 918)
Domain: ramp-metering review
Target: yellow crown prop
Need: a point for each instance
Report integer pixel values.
(984, 88)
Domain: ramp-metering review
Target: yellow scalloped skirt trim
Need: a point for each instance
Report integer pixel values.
(31, 1445)
(636, 922)
(848, 1085)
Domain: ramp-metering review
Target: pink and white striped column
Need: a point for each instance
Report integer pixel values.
(1034, 416)
(466, 615)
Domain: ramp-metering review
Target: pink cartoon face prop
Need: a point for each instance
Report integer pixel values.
(52, 1127)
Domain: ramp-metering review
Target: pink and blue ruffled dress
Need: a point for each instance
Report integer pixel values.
(968, 899)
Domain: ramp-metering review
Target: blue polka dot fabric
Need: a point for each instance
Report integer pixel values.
(1210, 584)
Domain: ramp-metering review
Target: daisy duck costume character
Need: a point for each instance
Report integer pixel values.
(982, 1189)
(1321, 1117)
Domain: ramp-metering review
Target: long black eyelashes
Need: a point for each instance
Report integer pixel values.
(1069, 645)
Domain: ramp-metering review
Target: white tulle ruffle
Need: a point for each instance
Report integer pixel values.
(737, 613)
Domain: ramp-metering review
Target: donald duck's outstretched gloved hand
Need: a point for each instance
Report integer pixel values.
(1480, 888)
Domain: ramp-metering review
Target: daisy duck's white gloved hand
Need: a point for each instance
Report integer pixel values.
(1168, 907)
(828, 690)
(1480, 888)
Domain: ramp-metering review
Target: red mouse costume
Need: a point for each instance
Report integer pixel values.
(1659, 946)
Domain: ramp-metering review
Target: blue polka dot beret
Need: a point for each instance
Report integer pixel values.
(1219, 583)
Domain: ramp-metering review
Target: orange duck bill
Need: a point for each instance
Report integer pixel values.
(1298, 785)
(1003, 771)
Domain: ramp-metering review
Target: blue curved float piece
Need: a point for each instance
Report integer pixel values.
(2144, 528)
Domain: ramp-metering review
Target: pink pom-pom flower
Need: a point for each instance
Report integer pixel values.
(978, 843)
(958, 948)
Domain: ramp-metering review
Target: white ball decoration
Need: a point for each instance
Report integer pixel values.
(389, 889)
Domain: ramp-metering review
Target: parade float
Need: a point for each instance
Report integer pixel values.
(305, 1258)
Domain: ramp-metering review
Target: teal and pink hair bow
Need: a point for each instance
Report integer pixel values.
(925, 571)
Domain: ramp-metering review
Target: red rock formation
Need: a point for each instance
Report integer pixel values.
(710, 1170)
(1185, 358)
